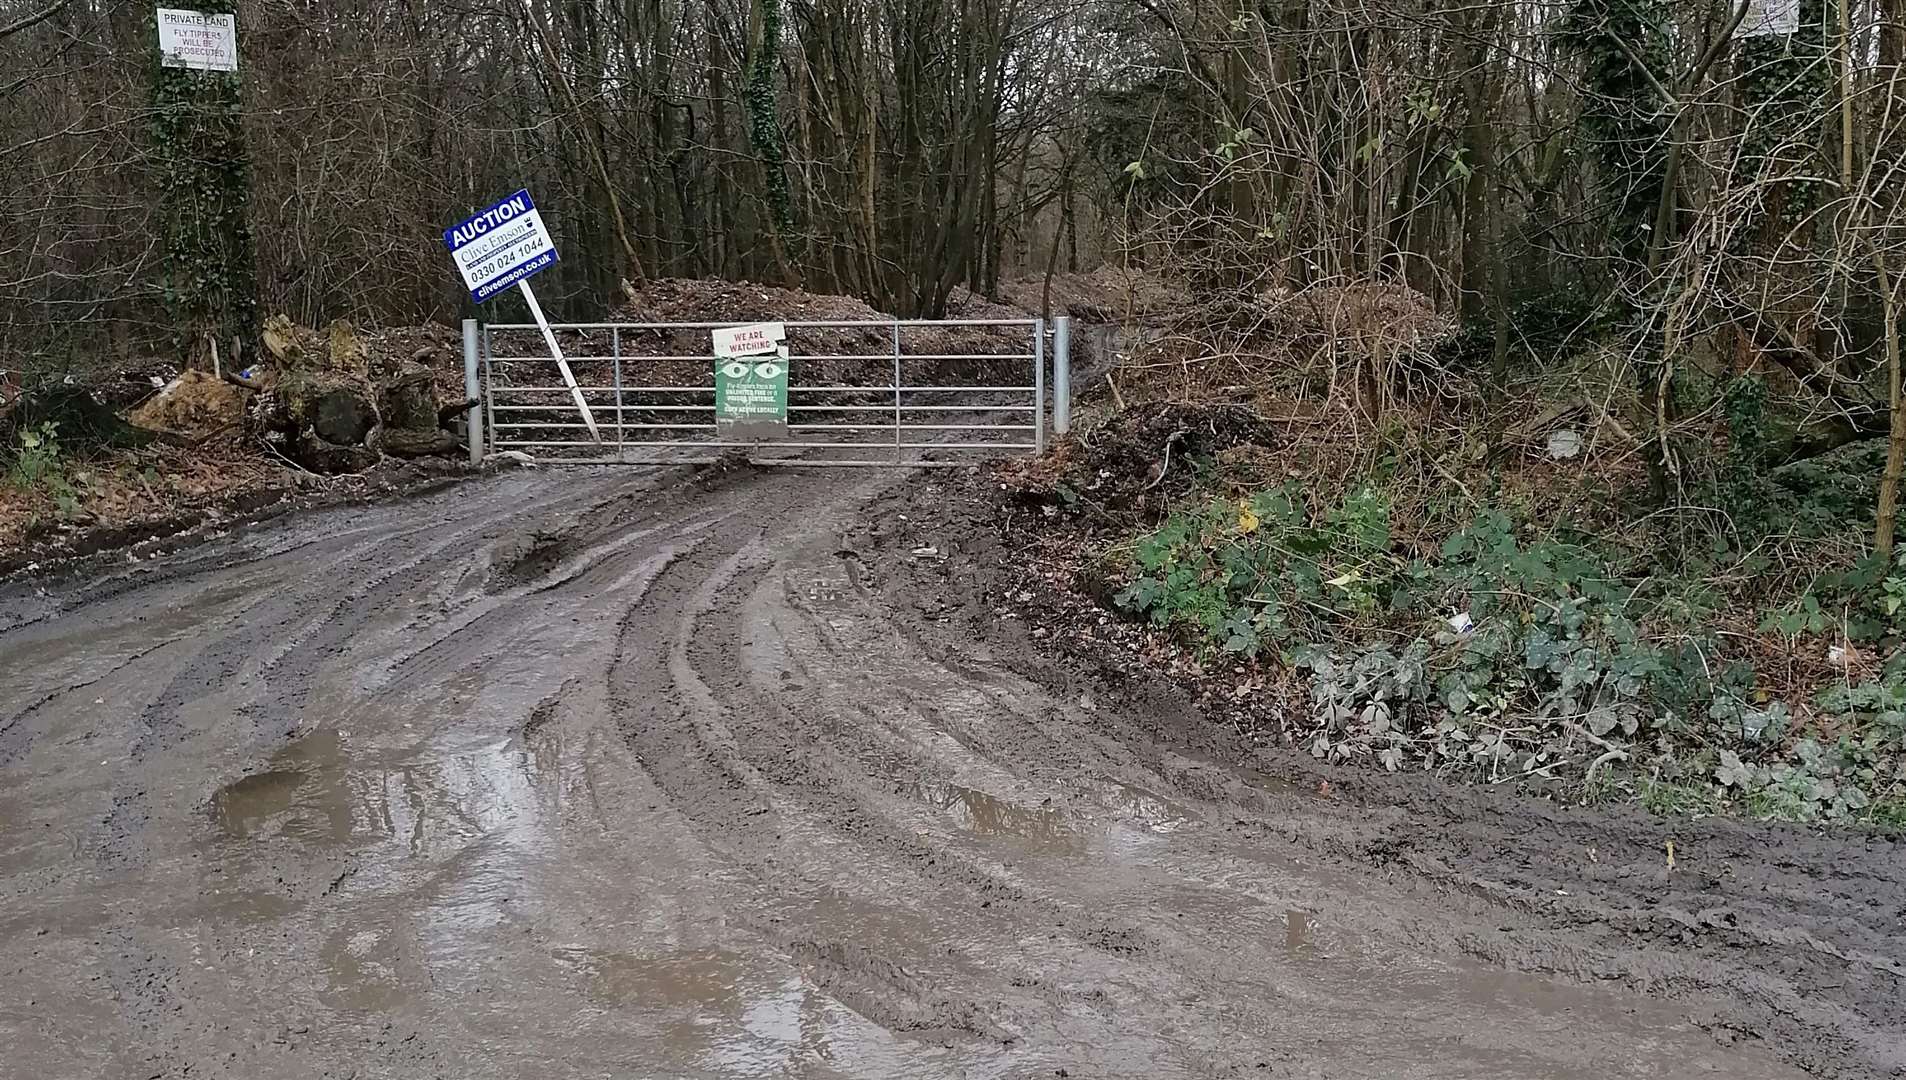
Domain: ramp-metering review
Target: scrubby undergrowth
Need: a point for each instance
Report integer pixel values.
(1506, 654)
(1431, 585)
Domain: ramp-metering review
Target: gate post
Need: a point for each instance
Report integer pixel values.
(1062, 375)
(472, 392)
(899, 450)
(620, 457)
(1039, 386)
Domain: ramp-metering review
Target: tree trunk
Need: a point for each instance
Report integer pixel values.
(1479, 153)
(209, 266)
(1896, 441)
(764, 133)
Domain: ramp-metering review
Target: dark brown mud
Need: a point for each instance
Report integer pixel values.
(1792, 937)
(634, 774)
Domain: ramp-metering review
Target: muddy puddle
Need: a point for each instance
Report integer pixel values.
(369, 969)
(711, 1008)
(789, 1027)
(721, 1012)
(1042, 827)
(321, 790)
(1298, 934)
(1093, 814)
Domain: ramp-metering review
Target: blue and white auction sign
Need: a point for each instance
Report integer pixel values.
(507, 245)
(501, 246)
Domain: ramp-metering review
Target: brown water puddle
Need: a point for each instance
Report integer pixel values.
(1298, 934)
(708, 980)
(724, 1014)
(245, 805)
(1042, 828)
(1098, 809)
(1140, 807)
(320, 790)
(368, 970)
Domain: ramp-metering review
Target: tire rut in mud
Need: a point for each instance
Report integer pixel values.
(1765, 932)
(661, 759)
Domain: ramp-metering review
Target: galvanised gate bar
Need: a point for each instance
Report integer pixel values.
(860, 393)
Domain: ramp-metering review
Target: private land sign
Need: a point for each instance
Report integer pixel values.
(1771, 18)
(501, 246)
(751, 389)
(197, 41)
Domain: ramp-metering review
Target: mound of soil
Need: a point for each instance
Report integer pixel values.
(1108, 295)
(675, 300)
(965, 304)
(682, 300)
(1134, 464)
(438, 347)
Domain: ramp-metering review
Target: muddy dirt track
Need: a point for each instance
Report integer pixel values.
(637, 775)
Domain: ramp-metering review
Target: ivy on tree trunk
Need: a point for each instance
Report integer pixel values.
(764, 128)
(1623, 117)
(1786, 89)
(202, 171)
(1625, 48)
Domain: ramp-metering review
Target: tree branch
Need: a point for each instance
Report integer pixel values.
(32, 18)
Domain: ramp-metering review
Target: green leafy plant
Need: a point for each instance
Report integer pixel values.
(1866, 603)
(38, 461)
(1237, 575)
(1803, 616)
(1529, 658)
(1822, 782)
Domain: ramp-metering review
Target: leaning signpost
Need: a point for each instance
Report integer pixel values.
(507, 244)
(751, 382)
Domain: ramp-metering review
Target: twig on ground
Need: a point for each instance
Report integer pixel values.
(1451, 477)
(275, 452)
(1596, 765)
(1165, 468)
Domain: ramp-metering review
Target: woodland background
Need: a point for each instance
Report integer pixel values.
(1488, 154)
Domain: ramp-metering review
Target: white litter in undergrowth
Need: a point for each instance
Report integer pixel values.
(1462, 623)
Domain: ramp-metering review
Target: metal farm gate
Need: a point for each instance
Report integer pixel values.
(859, 393)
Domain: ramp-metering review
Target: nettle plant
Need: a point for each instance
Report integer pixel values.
(37, 459)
